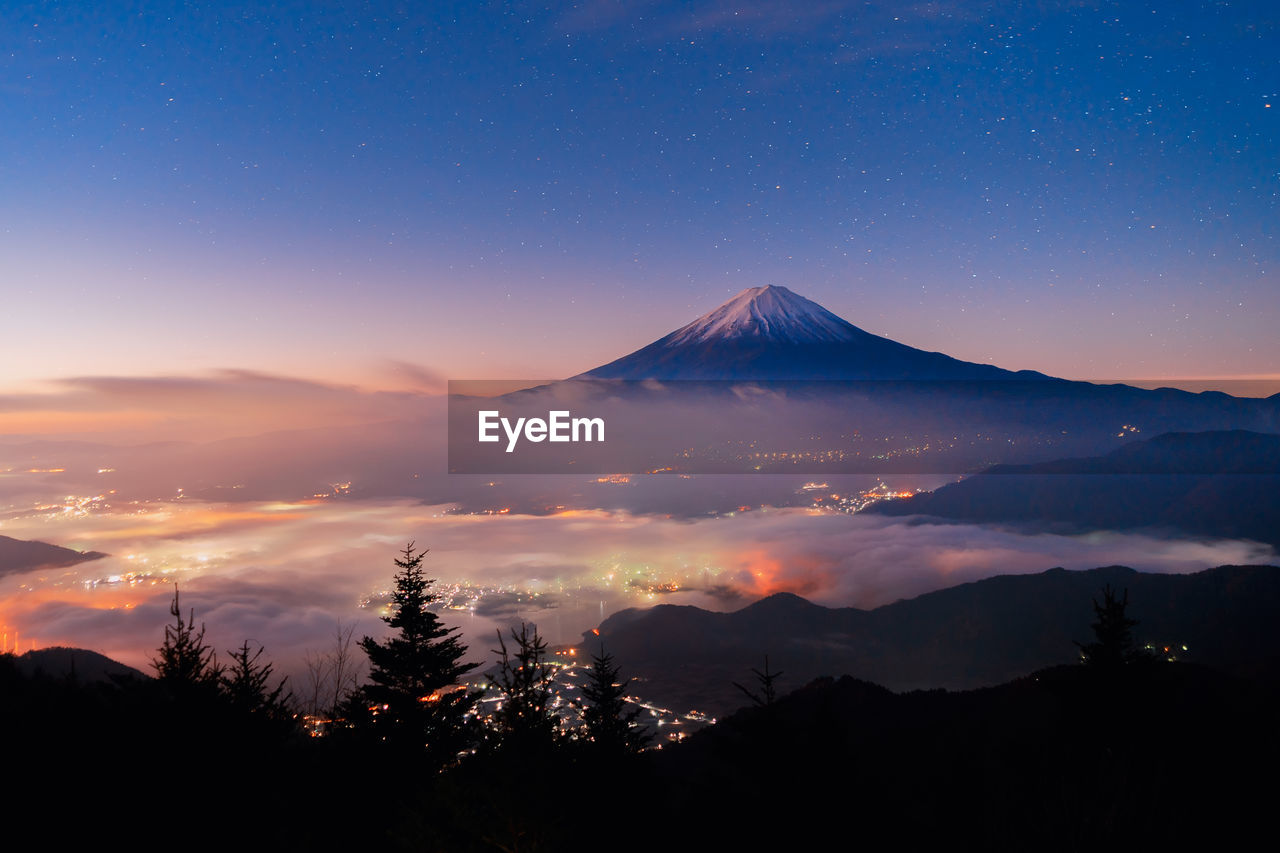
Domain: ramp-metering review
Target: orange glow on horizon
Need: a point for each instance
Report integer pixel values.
(197, 520)
(582, 513)
(54, 422)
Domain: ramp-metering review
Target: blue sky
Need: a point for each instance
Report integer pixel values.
(490, 190)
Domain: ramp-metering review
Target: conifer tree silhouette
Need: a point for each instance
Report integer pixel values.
(610, 725)
(247, 685)
(525, 719)
(184, 663)
(768, 693)
(1113, 630)
(415, 698)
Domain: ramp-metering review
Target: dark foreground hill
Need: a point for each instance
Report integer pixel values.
(80, 665)
(1149, 755)
(1153, 757)
(1219, 484)
(972, 635)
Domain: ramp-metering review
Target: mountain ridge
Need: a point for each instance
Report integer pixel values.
(773, 333)
(972, 635)
(1216, 484)
(21, 555)
(772, 382)
(84, 665)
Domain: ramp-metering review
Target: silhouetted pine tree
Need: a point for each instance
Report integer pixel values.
(414, 698)
(525, 720)
(185, 664)
(1114, 632)
(247, 686)
(610, 724)
(768, 692)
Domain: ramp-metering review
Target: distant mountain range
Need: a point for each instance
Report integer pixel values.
(19, 555)
(973, 635)
(1221, 484)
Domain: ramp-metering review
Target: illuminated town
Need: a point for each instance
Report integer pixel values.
(569, 669)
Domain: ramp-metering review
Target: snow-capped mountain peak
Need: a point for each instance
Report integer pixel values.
(771, 312)
(770, 333)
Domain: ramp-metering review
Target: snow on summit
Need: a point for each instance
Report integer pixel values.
(768, 333)
(772, 312)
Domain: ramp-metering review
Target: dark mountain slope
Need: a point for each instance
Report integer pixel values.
(967, 636)
(1220, 484)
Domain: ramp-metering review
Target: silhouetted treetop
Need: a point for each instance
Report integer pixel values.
(610, 724)
(184, 662)
(415, 695)
(1114, 632)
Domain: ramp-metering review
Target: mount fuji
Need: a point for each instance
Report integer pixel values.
(772, 333)
(771, 381)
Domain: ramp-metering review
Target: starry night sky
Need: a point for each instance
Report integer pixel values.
(512, 189)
